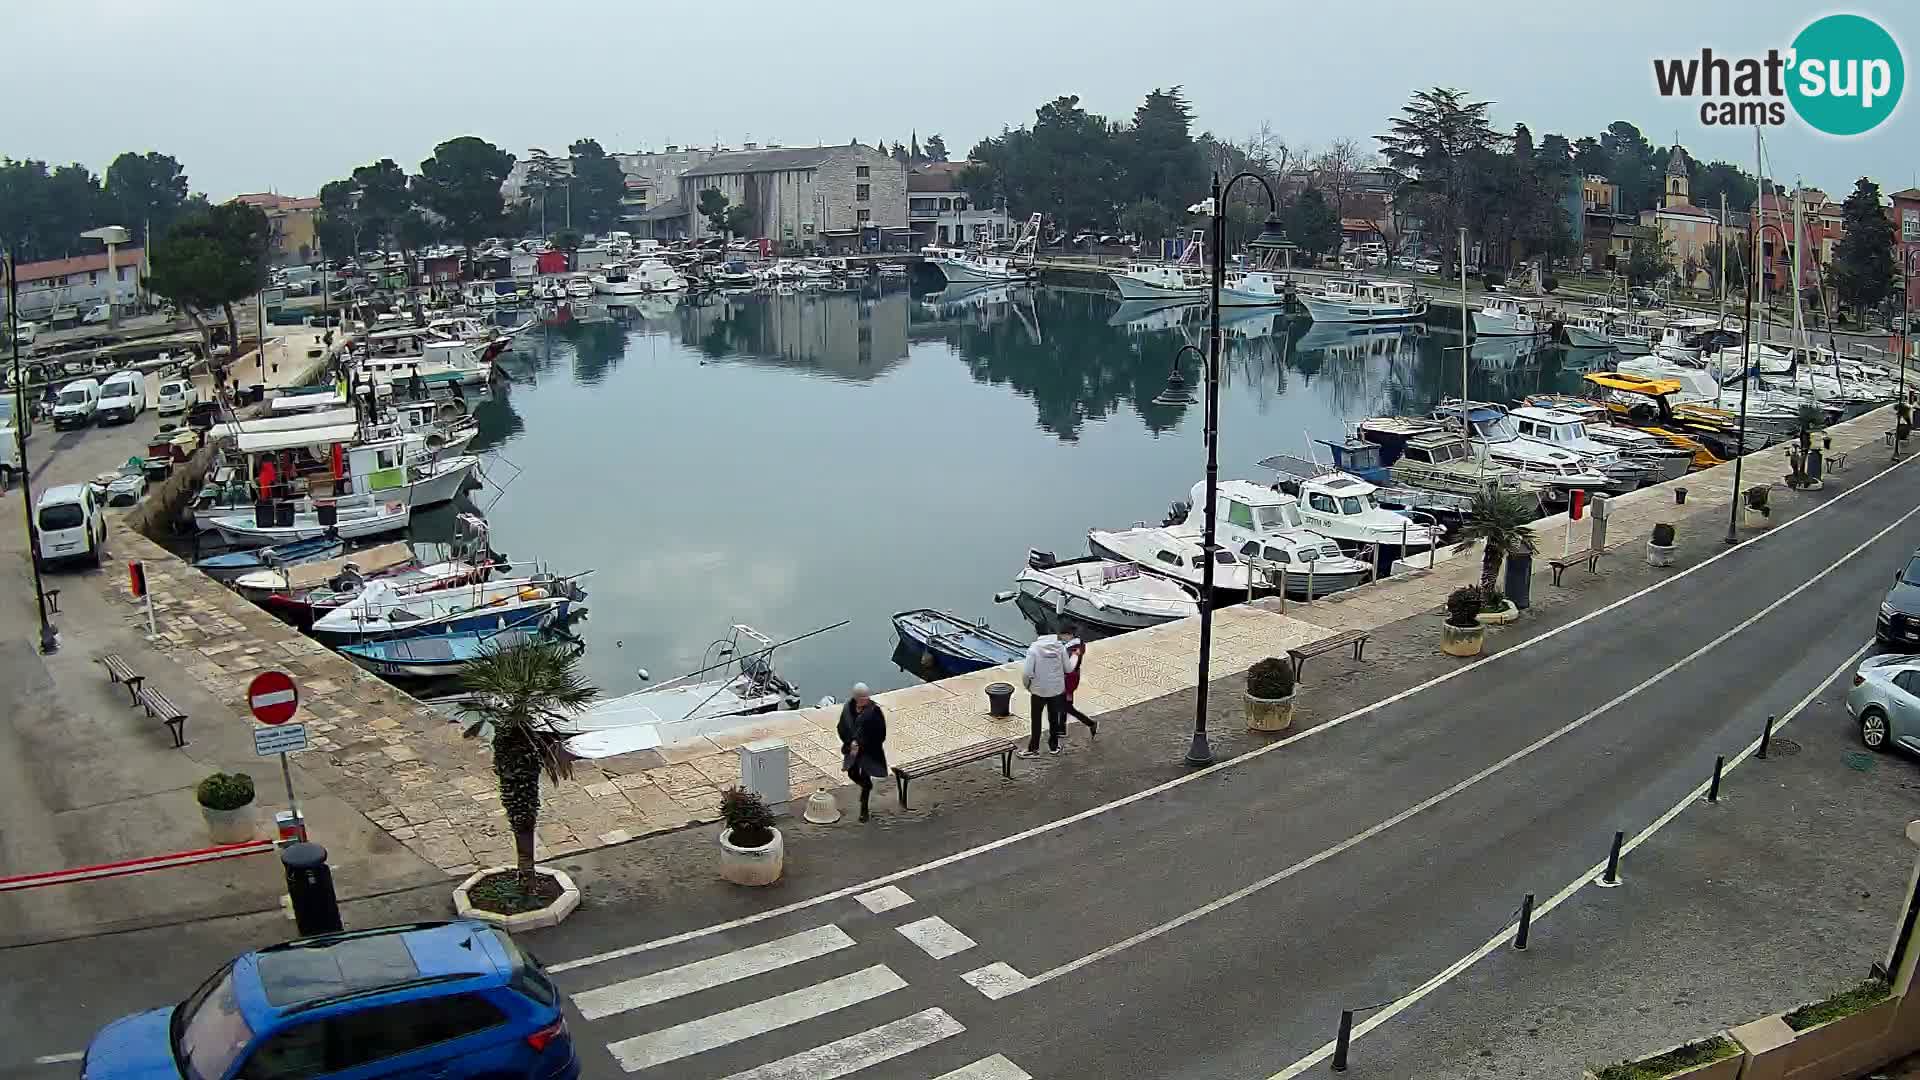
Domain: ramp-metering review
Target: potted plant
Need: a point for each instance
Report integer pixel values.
(1660, 546)
(1461, 634)
(516, 695)
(1270, 695)
(1496, 609)
(226, 802)
(1757, 506)
(1499, 520)
(751, 850)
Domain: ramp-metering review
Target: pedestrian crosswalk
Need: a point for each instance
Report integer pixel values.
(787, 1008)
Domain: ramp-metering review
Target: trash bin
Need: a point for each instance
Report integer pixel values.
(327, 512)
(258, 394)
(310, 887)
(283, 514)
(1519, 581)
(290, 827)
(1000, 700)
(263, 514)
(1679, 496)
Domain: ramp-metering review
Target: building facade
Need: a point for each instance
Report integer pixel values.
(1905, 211)
(73, 286)
(939, 212)
(1689, 229)
(292, 223)
(831, 198)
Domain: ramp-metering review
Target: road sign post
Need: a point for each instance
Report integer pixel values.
(274, 699)
(137, 577)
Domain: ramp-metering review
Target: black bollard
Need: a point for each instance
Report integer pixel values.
(1612, 876)
(1679, 495)
(310, 887)
(1340, 1041)
(1713, 790)
(1766, 737)
(1526, 923)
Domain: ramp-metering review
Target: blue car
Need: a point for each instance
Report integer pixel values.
(445, 1000)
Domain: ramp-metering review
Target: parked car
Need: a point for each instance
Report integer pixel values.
(75, 404)
(71, 528)
(1885, 702)
(1898, 626)
(454, 1000)
(176, 396)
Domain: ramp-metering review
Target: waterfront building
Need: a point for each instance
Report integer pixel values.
(1905, 209)
(940, 212)
(290, 222)
(75, 285)
(831, 198)
(1689, 228)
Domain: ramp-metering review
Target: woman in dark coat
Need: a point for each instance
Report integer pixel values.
(863, 742)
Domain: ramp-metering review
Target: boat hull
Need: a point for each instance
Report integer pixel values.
(959, 273)
(1490, 324)
(1324, 310)
(240, 533)
(975, 649)
(1083, 610)
(1134, 289)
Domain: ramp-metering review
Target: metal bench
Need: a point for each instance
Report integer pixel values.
(119, 672)
(980, 751)
(1836, 460)
(1590, 556)
(1355, 638)
(160, 708)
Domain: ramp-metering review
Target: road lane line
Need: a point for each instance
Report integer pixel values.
(856, 1052)
(1446, 793)
(754, 1018)
(996, 1067)
(936, 937)
(1453, 970)
(1201, 774)
(714, 971)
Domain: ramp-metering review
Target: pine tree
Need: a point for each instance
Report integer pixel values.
(1863, 261)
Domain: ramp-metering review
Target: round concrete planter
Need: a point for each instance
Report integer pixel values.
(1505, 615)
(1659, 554)
(1462, 640)
(752, 866)
(235, 826)
(551, 915)
(1270, 714)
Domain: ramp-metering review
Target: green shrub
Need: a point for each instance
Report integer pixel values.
(1844, 1003)
(1704, 1052)
(1270, 678)
(1663, 535)
(225, 791)
(747, 818)
(1492, 600)
(1464, 606)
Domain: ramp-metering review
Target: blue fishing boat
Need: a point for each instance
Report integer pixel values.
(434, 656)
(229, 566)
(950, 645)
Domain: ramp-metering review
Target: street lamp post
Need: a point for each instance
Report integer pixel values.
(1199, 754)
(1900, 408)
(49, 637)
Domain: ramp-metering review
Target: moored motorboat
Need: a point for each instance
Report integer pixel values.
(353, 523)
(379, 610)
(950, 645)
(435, 656)
(1104, 593)
(230, 565)
(703, 702)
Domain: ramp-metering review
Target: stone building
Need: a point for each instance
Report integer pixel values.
(1686, 227)
(939, 211)
(820, 198)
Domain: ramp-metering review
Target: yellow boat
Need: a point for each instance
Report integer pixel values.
(1642, 403)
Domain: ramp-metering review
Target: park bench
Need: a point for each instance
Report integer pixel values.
(1355, 638)
(980, 751)
(1590, 556)
(164, 710)
(118, 671)
(1836, 460)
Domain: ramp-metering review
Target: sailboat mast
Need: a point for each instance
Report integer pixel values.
(1799, 334)
(1466, 339)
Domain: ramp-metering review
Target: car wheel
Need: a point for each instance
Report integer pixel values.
(1873, 729)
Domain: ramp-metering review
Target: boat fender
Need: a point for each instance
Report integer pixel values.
(533, 594)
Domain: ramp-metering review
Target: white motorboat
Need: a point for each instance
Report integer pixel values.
(354, 523)
(696, 704)
(1502, 316)
(1267, 531)
(436, 362)
(1174, 551)
(1342, 301)
(1263, 284)
(1104, 593)
(1565, 431)
(1668, 461)
(380, 610)
(1015, 264)
(1183, 279)
(1337, 505)
(579, 286)
(1587, 330)
(613, 279)
(1427, 455)
(656, 276)
(1496, 440)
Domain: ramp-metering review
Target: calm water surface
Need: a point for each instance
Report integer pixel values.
(789, 461)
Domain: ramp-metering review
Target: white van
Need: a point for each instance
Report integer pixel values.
(176, 396)
(9, 440)
(74, 407)
(122, 397)
(70, 526)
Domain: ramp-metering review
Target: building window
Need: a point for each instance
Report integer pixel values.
(862, 170)
(123, 270)
(946, 204)
(862, 192)
(863, 215)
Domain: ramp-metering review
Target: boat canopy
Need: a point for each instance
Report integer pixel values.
(1633, 384)
(263, 442)
(373, 560)
(292, 422)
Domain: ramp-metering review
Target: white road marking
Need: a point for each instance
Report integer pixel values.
(856, 1052)
(884, 899)
(936, 937)
(1214, 770)
(1441, 796)
(754, 1018)
(56, 1059)
(714, 971)
(996, 980)
(996, 1067)
(1592, 873)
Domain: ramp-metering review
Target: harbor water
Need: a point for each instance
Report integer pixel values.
(789, 460)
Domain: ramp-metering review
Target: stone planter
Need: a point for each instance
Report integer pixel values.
(1727, 1068)
(1848, 1046)
(752, 866)
(1508, 613)
(1659, 554)
(1270, 714)
(1753, 518)
(551, 915)
(1462, 640)
(235, 826)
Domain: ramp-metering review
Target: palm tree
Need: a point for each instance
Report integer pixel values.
(519, 693)
(1500, 518)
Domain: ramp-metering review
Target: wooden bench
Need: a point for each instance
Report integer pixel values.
(158, 707)
(980, 751)
(1355, 638)
(119, 672)
(1836, 460)
(1590, 556)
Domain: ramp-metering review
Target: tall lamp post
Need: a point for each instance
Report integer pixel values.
(1746, 373)
(49, 637)
(1199, 754)
(1901, 409)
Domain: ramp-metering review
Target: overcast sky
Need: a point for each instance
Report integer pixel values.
(255, 96)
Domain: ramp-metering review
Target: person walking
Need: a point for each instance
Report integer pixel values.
(863, 742)
(1077, 653)
(1045, 676)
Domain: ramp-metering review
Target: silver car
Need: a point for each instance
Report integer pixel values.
(1885, 702)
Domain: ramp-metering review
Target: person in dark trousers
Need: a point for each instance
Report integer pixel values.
(863, 742)
(1077, 653)
(1045, 676)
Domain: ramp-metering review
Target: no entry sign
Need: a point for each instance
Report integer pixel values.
(272, 697)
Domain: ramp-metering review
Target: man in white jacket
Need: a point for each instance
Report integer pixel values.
(1045, 675)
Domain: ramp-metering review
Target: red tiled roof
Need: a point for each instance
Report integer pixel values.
(1912, 194)
(79, 264)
